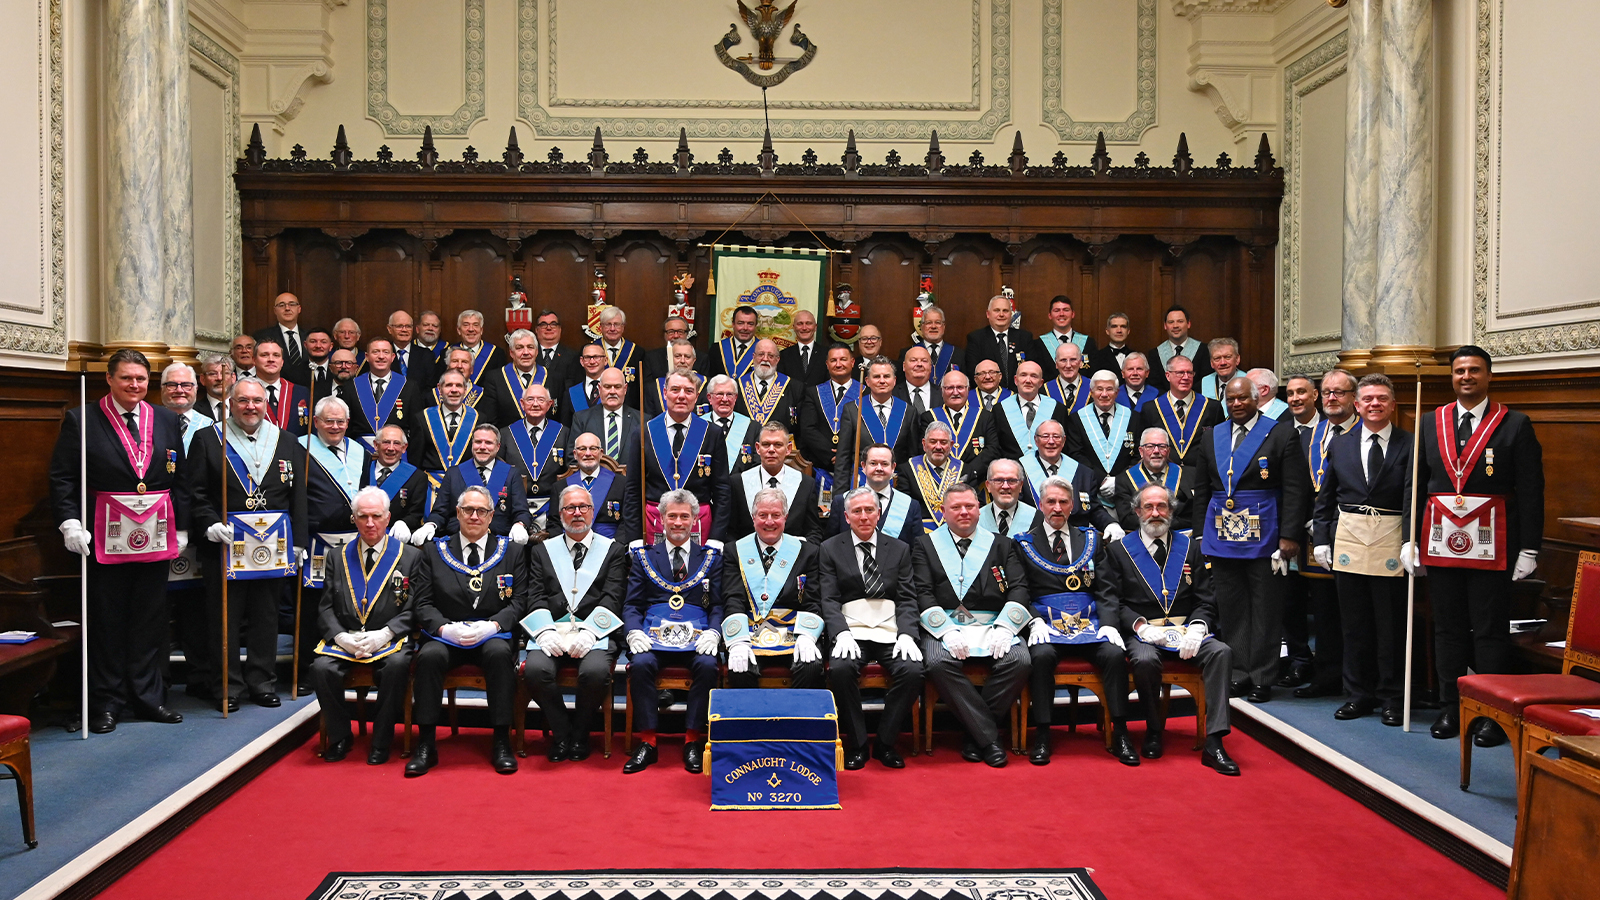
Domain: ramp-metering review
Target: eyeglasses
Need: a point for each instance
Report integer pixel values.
(331, 422)
(474, 512)
(1336, 393)
(180, 385)
(1005, 481)
(1152, 446)
(577, 507)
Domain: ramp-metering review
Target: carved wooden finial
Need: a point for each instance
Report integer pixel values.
(597, 153)
(1264, 161)
(1182, 162)
(341, 151)
(683, 158)
(1019, 159)
(769, 157)
(428, 155)
(851, 158)
(513, 154)
(1101, 161)
(255, 152)
(934, 161)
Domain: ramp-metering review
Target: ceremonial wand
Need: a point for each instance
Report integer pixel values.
(300, 577)
(222, 468)
(83, 558)
(1411, 577)
(855, 453)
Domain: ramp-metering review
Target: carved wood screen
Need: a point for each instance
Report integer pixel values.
(363, 238)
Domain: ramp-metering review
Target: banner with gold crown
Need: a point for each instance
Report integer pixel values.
(778, 282)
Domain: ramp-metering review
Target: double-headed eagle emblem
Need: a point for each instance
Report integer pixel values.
(766, 23)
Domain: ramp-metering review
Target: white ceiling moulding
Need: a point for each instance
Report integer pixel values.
(284, 47)
(1232, 61)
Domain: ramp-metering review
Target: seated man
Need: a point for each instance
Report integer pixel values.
(605, 486)
(899, 516)
(470, 590)
(1076, 620)
(871, 614)
(578, 578)
(406, 485)
(673, 616)
(365, 618)
(799, 492)
(767, 611)
(973, 593)
(482, 469)
(1161, 584)
(973, 436)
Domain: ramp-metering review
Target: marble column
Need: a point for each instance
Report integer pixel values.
(177, 187)
(1404, 325)
(1364, 75)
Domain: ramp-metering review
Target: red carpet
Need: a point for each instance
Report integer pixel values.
(1167, 829)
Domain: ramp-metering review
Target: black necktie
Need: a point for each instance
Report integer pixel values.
(1105, 424)
(533, 438)
(870, 579)
(962, 546)
(1070, 395)
(294, 347)
(1180, 406)
(546, 357)
(1005, 522)
(677, 440)
(133, 422)
(838, 393)
(1374, 461)
(883, 414)
(1051, 469)
(383, 475)
(738, 354)
(727, 426)
(472, 556)
(594, 392)
(272, 396)
(1027, 420)
(772, 482)
(372, 557)
(761, 392)
(805, 359)
(1463, 431)
(1161, 553)
(767, 556)
(338, 451)
(1238, 436)
(678, 570)
(183, 422)
(955, 420)
(455, 422)
(579, 551)
(1059, 547)
(527, 379)
(378, 386)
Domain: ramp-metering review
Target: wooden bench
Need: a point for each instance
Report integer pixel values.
(25, 604)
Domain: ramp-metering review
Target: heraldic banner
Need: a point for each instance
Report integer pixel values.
(778, 282)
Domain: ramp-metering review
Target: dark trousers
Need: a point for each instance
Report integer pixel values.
(1215, 660)
(905, 683)
(593, 670)
(127, 636)
(979, 710)
(806, 676)
(327, 677)
(188, 604)
(1328, 668)
(1296, 625)
(496, 657)
(1471, 624)
(1250, 604)
(1107, 659)
(645, 668)
(252, 608)
(1373, 610)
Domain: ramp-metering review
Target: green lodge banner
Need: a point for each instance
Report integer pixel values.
(777, 282)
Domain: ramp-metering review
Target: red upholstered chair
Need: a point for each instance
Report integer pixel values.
(1504, 698)
(1541, 724)
(14, 755)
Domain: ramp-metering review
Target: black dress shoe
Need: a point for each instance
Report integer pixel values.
(337, 750)
(102, 723)
(643, 758)
(664, 700)
(889, 756)
(1298, 674)
(1217, 758)
(1152, 745)
(1447, 726)
(1238, 688)
(694, 755)
(1122, 748)
(1260, 694)
(162, 714)
(377, 756)
(1353, 709)
(501, 757)
(578, 748)
(422, 759)
(1317, 690)
(1394, 716)
(557, 751)
(1487, 733)
(1039, 747)
(303, 689)
(232, 703)
(856, 758)
(267, 699)
(970, 751)
(994, 756)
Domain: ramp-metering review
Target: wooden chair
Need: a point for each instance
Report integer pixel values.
(14, 755)
(359, 679)
(875, 677)
(670, 678)
(566, 677)
(1187, 676)
(1542, 724)
(978, 674)
(1504, 698)
(465, 676)
(1077, 674)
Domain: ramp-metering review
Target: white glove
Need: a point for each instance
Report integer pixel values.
(301, 555)
(1108, 486)
(636, 544)
(1323, 554)
(706, 644)
(1038, 632)
(715, 545)
(519, 533)
(580, 642)
(845, 647)
(377, 640)
(905, 647)
(1409, 558)
(1151, 634)
(422, 535)
(183, 540)
(805, 649)
(999, 643)
(400, 531)
(740, 656)
(955, 643)
(1189, 644)
(549, 642)
(1279, 567)
(218, 533)
(1527, 561)
(458, 632)
(1111, 635)
(638, 642)
(75, 538)
(1113, 532)
(350, 644)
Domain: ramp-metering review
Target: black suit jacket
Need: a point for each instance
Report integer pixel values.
(606, 592)
(509, 508)
(1081, 449)
(499, 404)
(419, 366)
(932, 397)
(644, 593)
(393, 610)
(786, 409)
(816, 373)
(1286, 473)
(409, 502)
(1120, 581)
(544, 485)
(982, 345)
(1518, 476)
(1010, 443)
(985, 435)
(934, 587)
(298, 373)
(1042, 583)
(284, 489)
(1150, 417)
(737, 600)
(815, 436)
(910, 529)
(407, 413)
(646, 481)
(444, 595)
(592, 421)
(1185, 513)
(498, 358)
(906, 444)
(327, 505)
(108, 466)
(803, 519)
(859, 373)
(1344, 482)
(842, 582)
(604, 513)
(654, 365)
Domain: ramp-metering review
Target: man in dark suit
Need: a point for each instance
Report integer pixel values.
(503, 388)
(558, 360)
(974, 439)
(1049, 460)
(470, 590)
(930, 475)
(869, 607)
(881, 416)
(1116, 350)
(1016, 417)
(1162, 586)
(404, 483)
(684, 357)
(287, 333)
(869, 347)
(676, 449)
(1100, 435)
(1358, 529)
(919, 389)
(799, 490)
(999, 341)
(442, 433)
(583, 383)
(319, 370)
(1136, 391)
(899, 514)
(266, 477)
(429, 338)
(658, 362)
(606, 486)
(973, 594)
(381, 396)
(1498, 456)
(822, 413)
(1177, 343)
(1078, 619)
(943, 355)
(486, 357)
(771, 616)
(611, 420)
(337, 468)
(622, 353)
(739, 431)
(767, 395)
(731, 356)
(1182, 412)
(415, 362)
(1061, 332)
(806, 361)
(673, 617)
(288, 404)
(1256, 494)
(136, 462)
(1153, 466)
(365, 618)
(578, 578)
(484, 468)
(536, 447)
